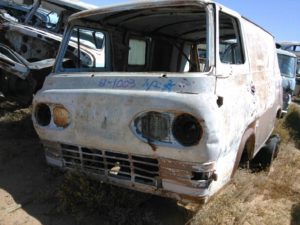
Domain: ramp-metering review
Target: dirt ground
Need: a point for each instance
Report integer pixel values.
(28, 188)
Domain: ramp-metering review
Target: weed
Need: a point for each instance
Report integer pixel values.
(80, 194)
(282, 131)
(292, 123)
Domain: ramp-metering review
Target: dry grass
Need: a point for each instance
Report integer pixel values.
(265, 197)
(117, 205)
(83, 197)
(292, 123)
(259, 198)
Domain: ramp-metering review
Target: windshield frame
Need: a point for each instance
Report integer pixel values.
(83, 23)
(58, 67)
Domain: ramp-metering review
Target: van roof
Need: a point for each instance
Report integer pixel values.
(144, 4)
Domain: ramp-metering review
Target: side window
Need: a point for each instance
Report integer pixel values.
(86, 50)
(137, 52)
(230, 47)
(289, 48)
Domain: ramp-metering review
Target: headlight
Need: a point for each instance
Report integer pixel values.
(187, 130)
(43, 114)
(153, 126)
(61, 116)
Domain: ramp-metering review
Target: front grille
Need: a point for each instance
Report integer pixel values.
(129, 167)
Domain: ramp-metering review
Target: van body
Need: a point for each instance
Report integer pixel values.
(287, 64)
(177, 94)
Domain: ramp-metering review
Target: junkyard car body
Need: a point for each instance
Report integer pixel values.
(50, 15)
(294, 47)
(19, 79)
(34, 49)
(287, 65)
(42, 18)
(291, 46)
(184, 91)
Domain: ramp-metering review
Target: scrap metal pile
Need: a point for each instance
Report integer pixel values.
(29, 42)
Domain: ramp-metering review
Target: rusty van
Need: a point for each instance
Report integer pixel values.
(185, 91)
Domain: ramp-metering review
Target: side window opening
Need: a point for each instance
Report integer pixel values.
(230, 47)
(137, 52)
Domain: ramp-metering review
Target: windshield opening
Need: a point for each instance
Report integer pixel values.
(167, 39)
(287, 65)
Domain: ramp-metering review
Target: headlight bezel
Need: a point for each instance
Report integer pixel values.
(171, 139)
(43, 114)
(58, 115)
(181, 130)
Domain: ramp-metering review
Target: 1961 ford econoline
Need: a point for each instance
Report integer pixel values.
(175, 96)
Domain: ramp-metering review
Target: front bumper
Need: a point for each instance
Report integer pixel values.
(160, 176)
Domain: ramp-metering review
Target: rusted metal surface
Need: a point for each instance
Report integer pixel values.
(20, 79)
(28, 51)
(50, 15)
(137, 172)
(134, 107)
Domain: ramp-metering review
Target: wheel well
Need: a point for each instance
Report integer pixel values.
(248, 150)
(246, 147)
(279, 113)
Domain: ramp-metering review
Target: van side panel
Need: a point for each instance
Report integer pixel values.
(250, 95)
(265, 77)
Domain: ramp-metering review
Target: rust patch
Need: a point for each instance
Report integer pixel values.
(166, 163)
(153, 146)
(168, 172)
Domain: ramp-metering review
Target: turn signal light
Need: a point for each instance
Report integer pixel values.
(61, 116)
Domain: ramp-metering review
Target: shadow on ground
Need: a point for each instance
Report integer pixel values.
(32, 184)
